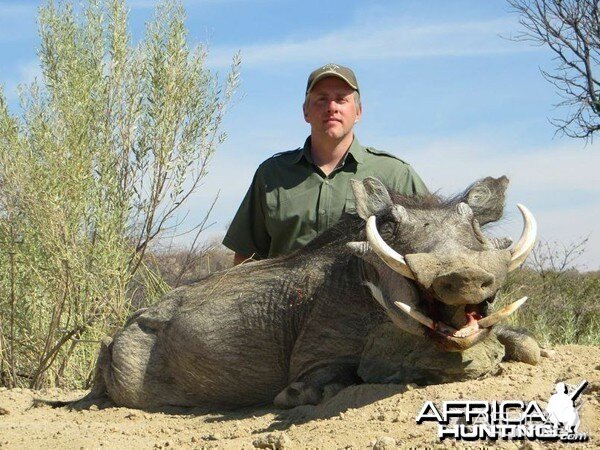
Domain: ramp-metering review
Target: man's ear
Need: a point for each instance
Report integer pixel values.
(358, 114)
(304, 110)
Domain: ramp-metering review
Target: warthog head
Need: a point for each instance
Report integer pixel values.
(454, 268)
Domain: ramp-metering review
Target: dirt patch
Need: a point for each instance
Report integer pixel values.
(365, 416)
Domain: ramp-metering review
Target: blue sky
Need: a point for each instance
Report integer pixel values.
(442, 88)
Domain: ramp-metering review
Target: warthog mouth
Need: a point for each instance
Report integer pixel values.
(475, 321)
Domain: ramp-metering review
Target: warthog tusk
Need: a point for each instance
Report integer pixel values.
(416, 315)
(523, 248)
(496, 317)
(392, 258)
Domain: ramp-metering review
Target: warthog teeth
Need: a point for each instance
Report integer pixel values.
(466, 331)
(493, 319)
(423, 319)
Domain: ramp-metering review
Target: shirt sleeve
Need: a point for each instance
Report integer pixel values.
(247, 234)
(416, 183)
(405, 180)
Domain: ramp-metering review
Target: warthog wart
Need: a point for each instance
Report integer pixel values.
(288, 329)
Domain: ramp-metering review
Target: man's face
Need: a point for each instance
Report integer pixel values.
(330, 108)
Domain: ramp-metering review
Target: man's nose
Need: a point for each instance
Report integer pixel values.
(332, 105)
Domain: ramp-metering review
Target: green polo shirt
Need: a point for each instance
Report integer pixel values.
(291, 200)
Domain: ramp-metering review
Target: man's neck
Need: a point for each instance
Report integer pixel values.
(327, 153)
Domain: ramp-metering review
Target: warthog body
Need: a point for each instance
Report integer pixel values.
(289, 329)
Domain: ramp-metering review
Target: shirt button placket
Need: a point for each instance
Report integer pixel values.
(326, 195)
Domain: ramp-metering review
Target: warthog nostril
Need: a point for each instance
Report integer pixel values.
(483, 284)
(487, 283)
(447, 286)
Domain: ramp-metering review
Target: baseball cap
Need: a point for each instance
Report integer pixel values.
(332, 70)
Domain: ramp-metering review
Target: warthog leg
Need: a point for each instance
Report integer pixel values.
(317, 386)
(519, 345)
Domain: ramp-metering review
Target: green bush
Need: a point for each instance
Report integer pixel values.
(111, 141)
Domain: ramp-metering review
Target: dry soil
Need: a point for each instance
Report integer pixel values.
(365, 416)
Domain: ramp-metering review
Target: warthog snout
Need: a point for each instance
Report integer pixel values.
(464, 285)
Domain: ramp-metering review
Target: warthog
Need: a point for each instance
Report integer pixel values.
(286, 330)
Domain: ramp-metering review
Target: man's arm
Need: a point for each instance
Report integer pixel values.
(247, 235)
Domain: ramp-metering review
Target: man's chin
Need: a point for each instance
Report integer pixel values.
(335, 133)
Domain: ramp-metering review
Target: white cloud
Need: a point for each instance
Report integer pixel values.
(455, 162)
(390, 39)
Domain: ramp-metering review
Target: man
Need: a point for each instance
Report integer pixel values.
(296, 195)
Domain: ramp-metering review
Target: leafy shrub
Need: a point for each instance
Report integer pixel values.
(111, 141)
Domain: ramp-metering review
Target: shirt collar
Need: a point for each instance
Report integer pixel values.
(356, 150)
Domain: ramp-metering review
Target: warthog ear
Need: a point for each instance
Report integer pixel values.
(372, 197)
(486, 198)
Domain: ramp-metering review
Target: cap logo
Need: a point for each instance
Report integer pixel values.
(332, 67)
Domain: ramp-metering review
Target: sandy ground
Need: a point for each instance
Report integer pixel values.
(365, 416)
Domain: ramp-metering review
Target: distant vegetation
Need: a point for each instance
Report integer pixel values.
(564, 304)
(563, 307)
